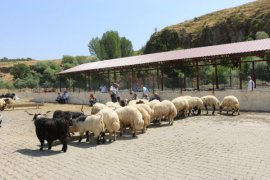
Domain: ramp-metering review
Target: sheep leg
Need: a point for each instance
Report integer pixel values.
(87, 136)
(206, 109)
(98, 139)
(159, 122)
(49, 145)
(199, 111)
(110, 137)
(64, 148)
(114, 136)
(41, 144)
(81, 135)
(103, 136)
(134, 132)
(214, 109)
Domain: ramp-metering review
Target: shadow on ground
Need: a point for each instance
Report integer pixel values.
(38, 153)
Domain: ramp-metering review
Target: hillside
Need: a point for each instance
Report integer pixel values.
(6, 65)
(225, 26)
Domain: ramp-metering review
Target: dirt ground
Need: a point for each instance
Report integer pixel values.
(197, 147)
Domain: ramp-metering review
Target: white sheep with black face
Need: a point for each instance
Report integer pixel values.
(195, 104)
(211, 101)
(92, 123)
(230, 102)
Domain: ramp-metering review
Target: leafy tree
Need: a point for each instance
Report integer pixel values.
(95, 48)
(261, 35)
(126, 47)
(20, 71)
(110, 46)
(69, 62)
(20, 83)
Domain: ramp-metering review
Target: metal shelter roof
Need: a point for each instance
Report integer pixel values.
(208, 52)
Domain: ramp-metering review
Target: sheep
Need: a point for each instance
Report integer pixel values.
(152, 103)
(60, 113)
(212, 101)
(113, 105)
(195, 103)
(50, 130)
(145, 115)
(181, 105)
(97, 107)
(111, 122)
(138, 101)
(2, 104)
(93, 123)
(165, 108)
(230, 102)
(147, 108)
(129, 115)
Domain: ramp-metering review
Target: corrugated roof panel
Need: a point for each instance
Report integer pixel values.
(201, 52)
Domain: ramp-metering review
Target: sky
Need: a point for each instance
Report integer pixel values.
(49, 29)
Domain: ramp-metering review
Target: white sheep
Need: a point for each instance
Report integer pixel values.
(145, 115)
(97, 107)
(181, 105)
(153, 102)
(111, 121)
(211, 101)
(230, 102)
(2, 104)
(164, 109)
(130, 116)
(138, 101)
(93, 123)
(195, 103)
(147, 108)
(113, 105)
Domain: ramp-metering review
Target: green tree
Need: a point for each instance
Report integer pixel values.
(69, 62)
(95, 48)
(110, 46)
(20, 71)
(20, 83)
(261, 35)
(126, 47)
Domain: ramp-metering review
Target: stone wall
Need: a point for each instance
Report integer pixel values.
(255, 101)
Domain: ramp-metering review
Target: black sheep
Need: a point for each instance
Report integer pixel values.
(51, 130)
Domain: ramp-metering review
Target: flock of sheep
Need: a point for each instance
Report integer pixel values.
(135, 115)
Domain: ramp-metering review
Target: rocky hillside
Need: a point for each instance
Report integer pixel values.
(230, 25)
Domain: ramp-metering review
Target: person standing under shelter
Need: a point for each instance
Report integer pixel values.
(145, 91)
(113, 91)
(250, 85)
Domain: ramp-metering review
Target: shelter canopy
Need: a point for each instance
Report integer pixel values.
(201, 53)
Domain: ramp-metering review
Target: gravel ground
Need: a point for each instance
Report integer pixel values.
(197, 147)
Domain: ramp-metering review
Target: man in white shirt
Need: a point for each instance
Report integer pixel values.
(251, 84)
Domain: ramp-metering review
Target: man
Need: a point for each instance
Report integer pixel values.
(145, 91)
(251, 84)
(65, 97)
(113, 91)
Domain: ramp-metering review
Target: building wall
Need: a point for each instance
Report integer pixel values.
(255, 101)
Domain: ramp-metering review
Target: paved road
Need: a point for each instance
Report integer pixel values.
(202, 147)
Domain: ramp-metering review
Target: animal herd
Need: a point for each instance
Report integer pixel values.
(113, 118)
